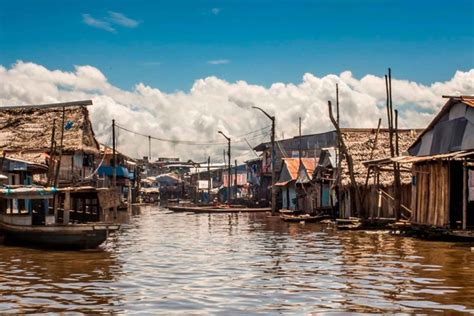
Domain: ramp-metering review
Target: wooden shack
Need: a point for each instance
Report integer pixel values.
(442, 159)
(361, 146)
(291, 169)
(33, 133)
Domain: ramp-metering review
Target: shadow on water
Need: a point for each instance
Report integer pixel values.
(178, 263)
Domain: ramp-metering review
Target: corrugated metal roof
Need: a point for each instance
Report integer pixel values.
(293, 165)
(469, 102)
(440, 117)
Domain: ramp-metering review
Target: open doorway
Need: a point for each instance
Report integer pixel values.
(456, 199)
(456, 194)
(470, 198)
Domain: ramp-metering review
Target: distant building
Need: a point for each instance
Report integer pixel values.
(309, 145)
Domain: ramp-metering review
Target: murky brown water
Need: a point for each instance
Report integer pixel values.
(233, 264)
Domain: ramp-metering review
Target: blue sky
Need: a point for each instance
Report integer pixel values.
(169, 44)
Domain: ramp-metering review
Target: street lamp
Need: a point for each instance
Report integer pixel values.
(272, 118)
(228, 155)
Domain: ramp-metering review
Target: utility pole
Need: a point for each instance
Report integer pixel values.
(229, 167)
(338, 156)
(235, 176)
(273, 157)
(300, 153)
(197, 183)
(114, 166)
(149, 148)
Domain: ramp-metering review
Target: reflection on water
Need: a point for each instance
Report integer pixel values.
(241, 263)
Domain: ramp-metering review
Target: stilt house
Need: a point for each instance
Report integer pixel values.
(362, 147)
(34, 133)
(443, 169)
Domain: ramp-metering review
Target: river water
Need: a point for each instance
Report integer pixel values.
(176, 263)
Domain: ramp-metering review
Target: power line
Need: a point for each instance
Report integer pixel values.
(193, 143)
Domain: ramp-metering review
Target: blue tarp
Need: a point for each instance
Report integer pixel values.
(108, 170)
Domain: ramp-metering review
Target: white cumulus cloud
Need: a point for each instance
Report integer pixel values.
(214, 104)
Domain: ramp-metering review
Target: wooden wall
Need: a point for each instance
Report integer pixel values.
(370, 205)
(430, 203)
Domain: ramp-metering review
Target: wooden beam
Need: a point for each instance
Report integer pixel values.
(47, 106)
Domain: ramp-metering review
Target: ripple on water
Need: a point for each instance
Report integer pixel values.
(172, 263)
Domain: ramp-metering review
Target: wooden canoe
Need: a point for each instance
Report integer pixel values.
(303, 218)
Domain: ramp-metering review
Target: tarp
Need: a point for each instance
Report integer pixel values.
(108, 170)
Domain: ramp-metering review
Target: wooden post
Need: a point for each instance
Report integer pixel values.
(235, 176)
(397, 149)
(350, 163)
(209, 178)
(379, 203)
(397, 184)
(464, 195)
(51, 155)
(338, 156)
(58, 167)
(229, 192)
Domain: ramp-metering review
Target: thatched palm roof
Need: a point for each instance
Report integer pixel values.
(360, 142)
(28, 130)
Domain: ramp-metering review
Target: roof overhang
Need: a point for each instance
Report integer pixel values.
(414, 159)
(48, 106)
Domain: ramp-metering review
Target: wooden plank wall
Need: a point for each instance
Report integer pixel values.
(430, 202)
(371, 201)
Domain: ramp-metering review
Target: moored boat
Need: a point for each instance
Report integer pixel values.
(74, 236)
(25, 220)
(303, 218)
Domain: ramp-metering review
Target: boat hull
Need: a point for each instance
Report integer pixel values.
(82, 236)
